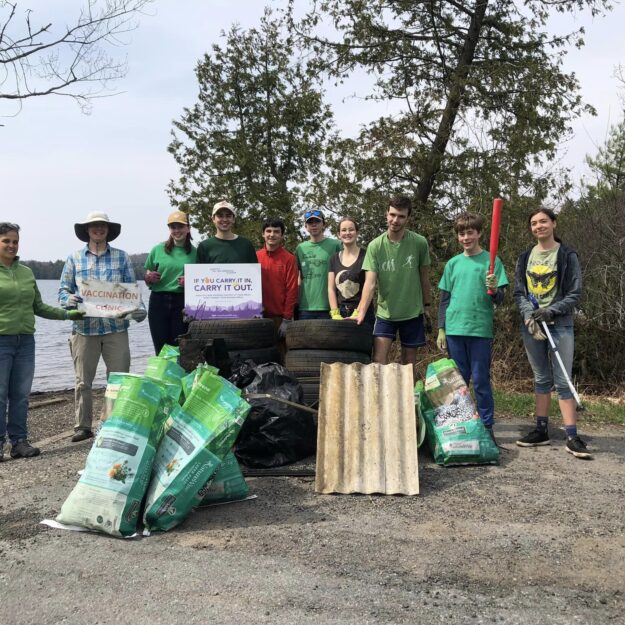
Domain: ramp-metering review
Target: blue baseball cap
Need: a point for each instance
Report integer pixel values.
(313, 214)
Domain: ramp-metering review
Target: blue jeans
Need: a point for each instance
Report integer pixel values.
(472, 354)
(17, 370)
(547, 372)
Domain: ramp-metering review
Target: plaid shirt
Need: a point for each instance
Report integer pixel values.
(112, 266)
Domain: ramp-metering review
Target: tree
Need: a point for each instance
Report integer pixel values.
(42, 59)
(257, 132)
(483, 99)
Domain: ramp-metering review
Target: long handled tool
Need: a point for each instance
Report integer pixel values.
(494, 236)
(554, 349)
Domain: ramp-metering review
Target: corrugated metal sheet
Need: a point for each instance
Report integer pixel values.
(367, 436)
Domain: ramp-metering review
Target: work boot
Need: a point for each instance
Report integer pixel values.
(23, 449)
(82, 435)
(534, 439)
(577, 447)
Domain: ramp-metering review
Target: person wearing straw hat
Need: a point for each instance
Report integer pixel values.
(95, 336)
(164, 276)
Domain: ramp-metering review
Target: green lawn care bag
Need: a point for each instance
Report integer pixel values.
(112, 388)
(189, 380)
(227, 484)
(168, 372)
(169, 352)
(198, 436)
(109, 493)
(454, 430)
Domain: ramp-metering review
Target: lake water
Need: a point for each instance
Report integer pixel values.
(54, 369)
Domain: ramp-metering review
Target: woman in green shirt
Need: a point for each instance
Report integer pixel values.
(165, 278)
(20, 301)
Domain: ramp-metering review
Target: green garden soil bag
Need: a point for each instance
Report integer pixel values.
(168, 372)
(109, 493)
(169, 352)
(227, 484)
(189, 380)
(112, 389)
(198, 436)
(454, 430)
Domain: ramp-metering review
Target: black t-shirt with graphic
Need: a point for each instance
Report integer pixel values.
(348, 280)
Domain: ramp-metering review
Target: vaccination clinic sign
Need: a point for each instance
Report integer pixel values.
(223, 291)
(108, 299)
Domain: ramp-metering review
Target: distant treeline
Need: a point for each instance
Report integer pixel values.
(51, 270)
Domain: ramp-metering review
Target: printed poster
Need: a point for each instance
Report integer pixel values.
(223, 291)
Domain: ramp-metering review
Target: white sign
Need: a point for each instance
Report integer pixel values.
(223, 291)
(108, 299)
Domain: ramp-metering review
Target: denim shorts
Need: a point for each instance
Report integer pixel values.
(411, 331)
(546, 368)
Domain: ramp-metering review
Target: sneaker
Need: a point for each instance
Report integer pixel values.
(82, 435)
(23, 449)
(494, 439)
(577, 447)
(534, 439)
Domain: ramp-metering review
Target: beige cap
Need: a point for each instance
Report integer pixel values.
(178, 217)
(223, 204)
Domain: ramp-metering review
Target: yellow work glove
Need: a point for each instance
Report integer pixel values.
(335, 314)
(355, 314)
(441, 340)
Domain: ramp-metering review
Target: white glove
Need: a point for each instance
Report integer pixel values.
(533, 327)
(283, 326)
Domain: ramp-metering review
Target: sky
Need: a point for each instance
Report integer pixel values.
(57, 164)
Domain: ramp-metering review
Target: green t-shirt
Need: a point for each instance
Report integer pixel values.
(313, 261)
(399, 281)
(214, 251)
(542, 275)
(170, 266)
(470, 310)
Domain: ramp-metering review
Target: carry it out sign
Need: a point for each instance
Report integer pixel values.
(223, 291)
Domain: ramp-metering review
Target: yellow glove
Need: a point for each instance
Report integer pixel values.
(441, 340)
(335, 314)
(355, 314)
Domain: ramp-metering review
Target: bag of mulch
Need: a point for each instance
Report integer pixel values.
(454, 430)
(169, 352)
(112, 389)
(274, 433)
(198, 436)
(190, 380)
(227, 484)
(109, 493)
(167, 372)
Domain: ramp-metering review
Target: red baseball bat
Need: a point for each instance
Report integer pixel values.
(494, 235)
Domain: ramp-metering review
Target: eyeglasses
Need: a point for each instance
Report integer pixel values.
(7, 226)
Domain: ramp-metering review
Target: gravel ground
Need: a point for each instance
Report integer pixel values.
(537, 539)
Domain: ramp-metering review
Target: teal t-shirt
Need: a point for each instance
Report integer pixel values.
(227, 251)
(170, 266)
(313, 260)
(470, 310)
(399, 281)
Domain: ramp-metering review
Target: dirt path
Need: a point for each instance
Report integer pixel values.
(538, 539)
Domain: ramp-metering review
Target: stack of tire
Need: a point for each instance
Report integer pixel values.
(253, 339)
(313, 341)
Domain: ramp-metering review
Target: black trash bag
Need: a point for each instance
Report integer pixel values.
(242, 372)
(274, 433)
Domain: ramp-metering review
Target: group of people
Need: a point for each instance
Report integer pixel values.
(325, 278)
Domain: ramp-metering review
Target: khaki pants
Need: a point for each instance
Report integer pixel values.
(86, 352)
